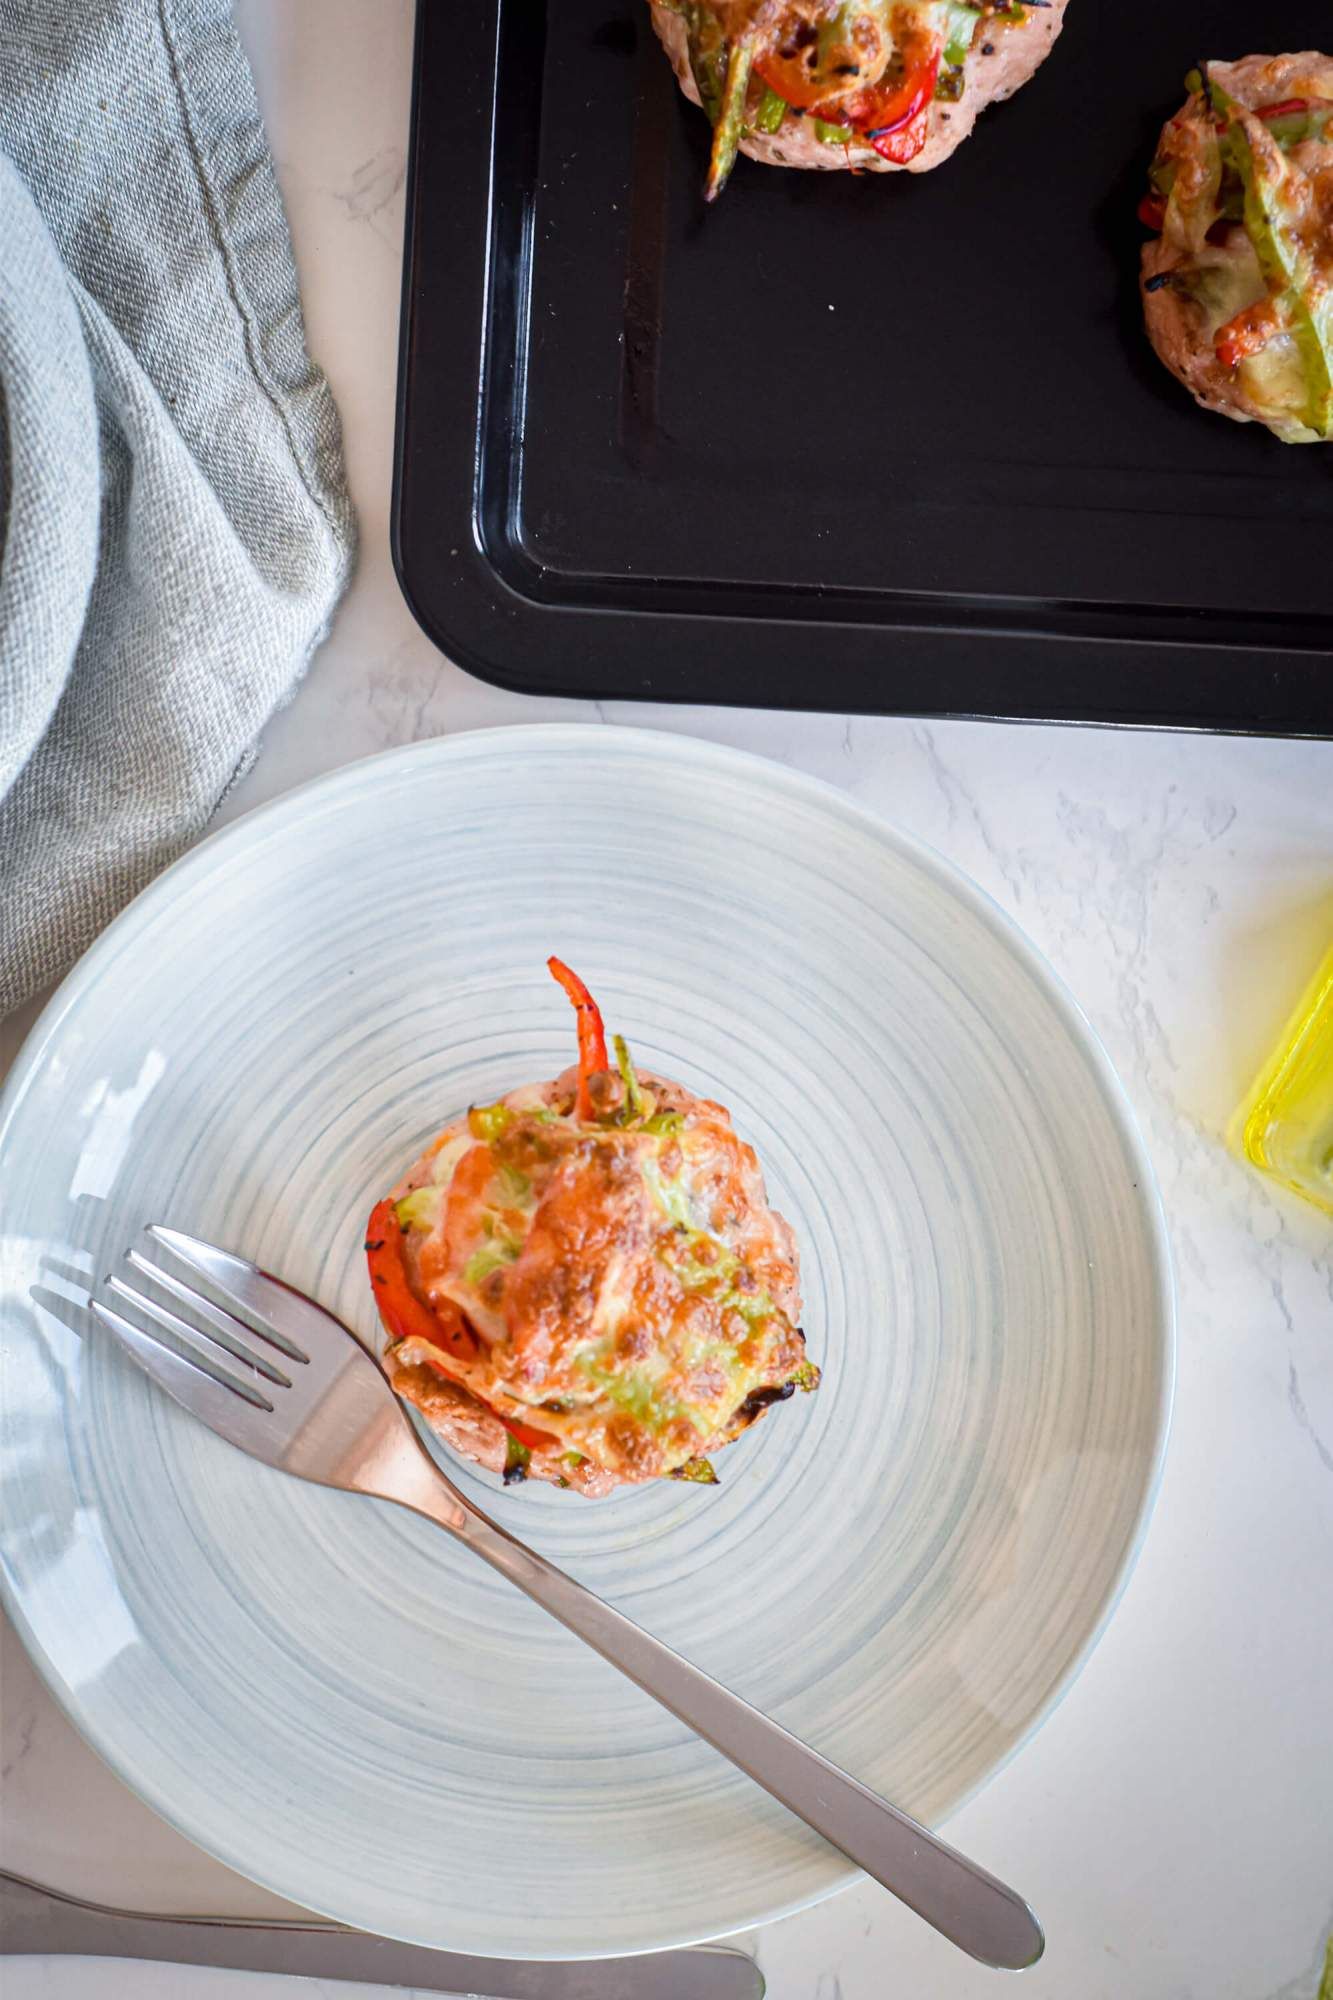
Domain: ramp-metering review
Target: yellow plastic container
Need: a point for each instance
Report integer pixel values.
(1285, 1126)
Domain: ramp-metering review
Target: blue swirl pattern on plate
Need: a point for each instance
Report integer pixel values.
(906, 1568)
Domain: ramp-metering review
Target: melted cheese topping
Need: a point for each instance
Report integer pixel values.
(629, 1284)
(1225, 279)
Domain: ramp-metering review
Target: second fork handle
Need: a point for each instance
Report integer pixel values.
(960, 1899)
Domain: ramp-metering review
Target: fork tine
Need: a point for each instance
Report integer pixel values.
(266, 1306)
(221, 1325)
(198, 1388)
(213, 1330)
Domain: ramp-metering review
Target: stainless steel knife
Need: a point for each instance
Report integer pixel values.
(38, 1920)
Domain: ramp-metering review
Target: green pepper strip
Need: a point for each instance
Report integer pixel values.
(707, 60)
(959, 28)
(772, 110)
(486, 1122)
(517, 1459)
(731, 117)
(697, 1471)
(1293, 128)
(633, 1094)
(1289, 267)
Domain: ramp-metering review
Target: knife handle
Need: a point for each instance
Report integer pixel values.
(40, 1921)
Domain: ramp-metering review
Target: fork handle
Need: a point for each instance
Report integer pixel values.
(961, 1900)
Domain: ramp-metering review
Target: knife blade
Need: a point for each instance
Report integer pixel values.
(37, 1920)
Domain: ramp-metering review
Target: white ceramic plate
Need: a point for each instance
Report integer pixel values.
(905, 1568)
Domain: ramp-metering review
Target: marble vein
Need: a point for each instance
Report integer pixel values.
(1296, 1403)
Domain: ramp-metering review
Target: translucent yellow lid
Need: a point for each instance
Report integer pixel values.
(1285, 1126)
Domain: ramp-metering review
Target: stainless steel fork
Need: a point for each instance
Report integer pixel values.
(302, 1394)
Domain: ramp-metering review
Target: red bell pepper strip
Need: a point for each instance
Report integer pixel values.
(894, 117)
(897, 126)
(404, 1314)
(533, 1439)
(592, 1035)
(1248, 333)
(803, 73)
(1290, 107)
(1152, 212)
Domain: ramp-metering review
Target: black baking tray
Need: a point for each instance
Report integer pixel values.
(894, 444)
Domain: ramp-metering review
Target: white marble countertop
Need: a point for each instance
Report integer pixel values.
(1173, 1821)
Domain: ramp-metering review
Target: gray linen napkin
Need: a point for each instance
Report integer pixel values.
(175, 528)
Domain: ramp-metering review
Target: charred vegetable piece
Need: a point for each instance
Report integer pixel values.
(517, 1460)
(759, 1399)
(731, 118)
(592, 1034)
(697, 1471)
